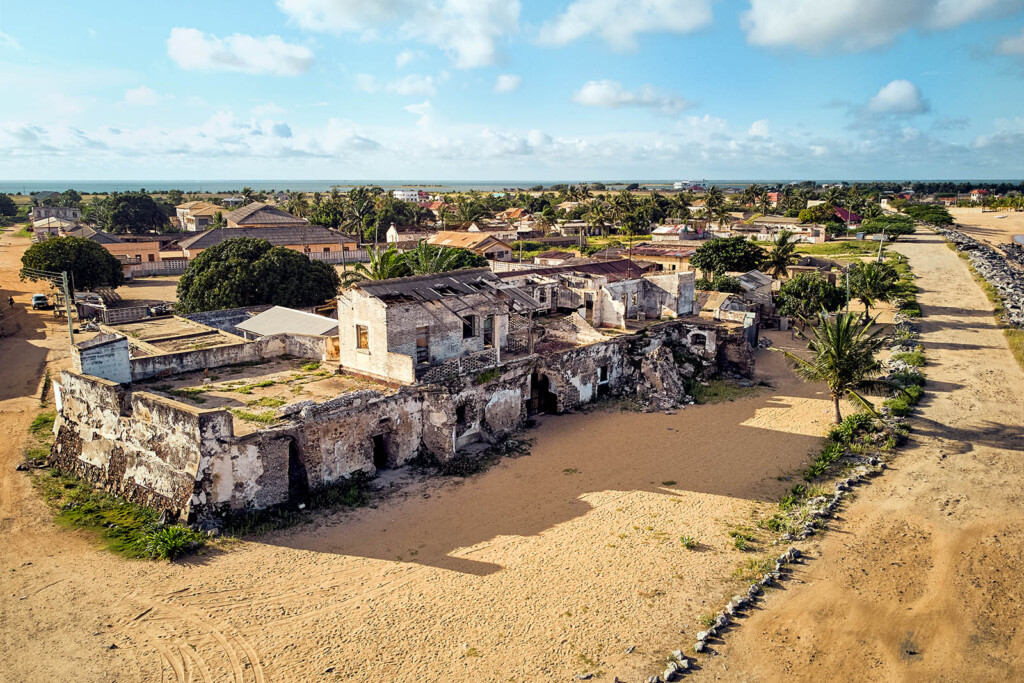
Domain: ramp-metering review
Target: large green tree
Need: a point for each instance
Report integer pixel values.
(7, 206)
(807, 294)
(135, 212)
(87, 262)
(250, 272)
(843, 355)
(727, 254)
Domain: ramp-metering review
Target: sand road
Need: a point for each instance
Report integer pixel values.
(924, 579)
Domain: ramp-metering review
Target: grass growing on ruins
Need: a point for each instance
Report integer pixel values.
(265, 417)
(40, 436)
(719, 391)
(124, 528)
(193, 394)
(266, 402)
(311, 367)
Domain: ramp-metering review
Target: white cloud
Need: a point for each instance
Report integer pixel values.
(612, 95)
(468, 31)
(507, 83)
(194, 50)
(855, 25)
(413, 85)
(425, 112)
(406, 57)
(9, 42)
(142, 96)
(899, 97)
(759, 129)
(1011, 45)
(618, 22)
(268, 109)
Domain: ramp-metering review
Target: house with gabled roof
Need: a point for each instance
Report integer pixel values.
(481, 243)
(304, 238)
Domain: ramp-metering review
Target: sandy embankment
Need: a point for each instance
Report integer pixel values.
(987, 225)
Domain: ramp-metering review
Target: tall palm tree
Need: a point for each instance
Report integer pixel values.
(297, 204)
(832, 196)
(713, 200)
(680, 205)
(384, 264)
(218, 220)
(597, 218)
(764, 203)
(843, 356)
(781, 256)
(721, 216)
(426, 259)
(247, 196)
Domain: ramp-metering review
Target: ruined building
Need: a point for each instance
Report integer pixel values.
(203, 423)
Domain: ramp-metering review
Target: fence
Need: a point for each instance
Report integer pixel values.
(171, 267)
(351, 256)
(453, 367)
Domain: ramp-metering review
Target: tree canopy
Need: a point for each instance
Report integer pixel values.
(250, 272)
(425, 259)
(807, 294)
(87, 262)
(781, 256)
(721, 283)
(929, 213)
(894, 225)
(871, 282)
(135, 212)
(725, 254)
(7, 206)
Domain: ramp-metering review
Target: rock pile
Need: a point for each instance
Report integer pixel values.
(1001, 271)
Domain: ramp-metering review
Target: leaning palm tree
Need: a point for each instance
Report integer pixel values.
(384, 264)
(843, 356)
(781, 256)
(426, 259)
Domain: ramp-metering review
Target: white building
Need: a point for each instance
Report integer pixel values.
(406, 195)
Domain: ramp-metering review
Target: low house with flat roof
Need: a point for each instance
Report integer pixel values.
(479, 243)
(396, 330)
(65, 213)
(304, 238)
(401, 234)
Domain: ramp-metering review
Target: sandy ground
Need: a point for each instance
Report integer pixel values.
(988, 226)
(544, 567)
(923, 578)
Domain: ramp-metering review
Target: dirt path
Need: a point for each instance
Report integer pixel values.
(543, 568)
(924, 577)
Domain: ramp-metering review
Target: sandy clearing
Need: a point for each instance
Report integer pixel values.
(544, 567)
(923, 578)
(987, 226)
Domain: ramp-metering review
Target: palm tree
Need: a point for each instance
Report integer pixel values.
(871, 282)
(297, 204)
(781, 256)
(247, 196)
(843, 357)
(384, 264)
(427, 259)
(218, 220)
(831, 196)
(680, 205)
(722, 216)
(764, 203)
(872, 210)
(597, 218)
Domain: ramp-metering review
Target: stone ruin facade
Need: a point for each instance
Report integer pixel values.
(189, 461)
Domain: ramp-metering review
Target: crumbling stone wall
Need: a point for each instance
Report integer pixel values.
(172, 456)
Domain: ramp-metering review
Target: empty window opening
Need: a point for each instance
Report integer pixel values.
(699, 340)
(542, 295)
(362, 337)
(489, 331)
(469, 327)
(461, 414)
(602, 374)
(380, 452)
(298, 480)
(422, 344)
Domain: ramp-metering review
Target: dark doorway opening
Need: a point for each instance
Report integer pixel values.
(298, 480)
(380, 452)
(542, 399)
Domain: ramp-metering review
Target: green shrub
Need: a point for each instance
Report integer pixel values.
(832, 452)
(897, 406)
(310, 367)
(908, 378)
(914, 358)
(689, 542)
(170, 542)
(851, 426)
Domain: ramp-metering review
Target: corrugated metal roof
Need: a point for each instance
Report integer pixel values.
(281, 320)
(258, 213)
(453, 285)
(277, 236)
(754, 279)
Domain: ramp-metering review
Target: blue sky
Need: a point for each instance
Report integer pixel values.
(507, 89)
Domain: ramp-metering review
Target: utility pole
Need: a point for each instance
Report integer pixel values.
(60, 280)
(880, 243)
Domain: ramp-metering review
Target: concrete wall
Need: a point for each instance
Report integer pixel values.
(146, 367)
(108, 361)
(226, 319)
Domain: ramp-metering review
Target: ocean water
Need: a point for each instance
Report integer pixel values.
(235, 185)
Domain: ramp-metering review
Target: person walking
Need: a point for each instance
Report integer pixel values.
(10, 301)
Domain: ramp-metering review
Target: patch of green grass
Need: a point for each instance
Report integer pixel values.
(193, 394)
(707, 620)
(828, 455)
(719, 391)
(22, 233)
(754, 568)
(265, 417)
(487, 376)
(124, 528)
(741, 538)
(42, 424)
(689, 542)
(266, 402)
(310, 367)
(914, 358)
(840, 248)
(1015, 339)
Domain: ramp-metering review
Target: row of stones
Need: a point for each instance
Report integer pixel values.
(996, 268)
